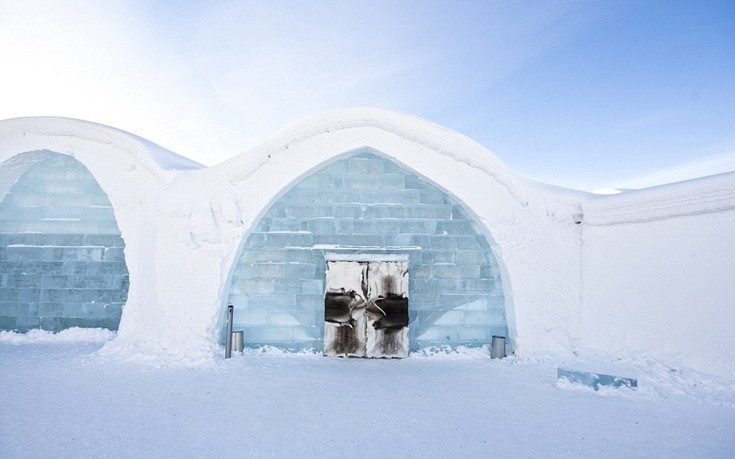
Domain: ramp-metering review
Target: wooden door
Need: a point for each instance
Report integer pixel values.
(366, 309)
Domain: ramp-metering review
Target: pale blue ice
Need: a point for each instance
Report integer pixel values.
(62, 261)
(367, 204)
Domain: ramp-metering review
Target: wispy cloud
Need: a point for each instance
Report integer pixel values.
(211, 79)
(264, 65)
(709, 165)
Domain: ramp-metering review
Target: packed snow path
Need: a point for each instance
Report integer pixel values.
(61, 400)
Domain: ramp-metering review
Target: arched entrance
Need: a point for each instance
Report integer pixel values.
(62, 260)
(365, 206)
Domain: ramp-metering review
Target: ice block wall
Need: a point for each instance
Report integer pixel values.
(365, 205)
(61, 253)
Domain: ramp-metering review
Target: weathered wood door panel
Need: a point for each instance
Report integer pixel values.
(387, 310)
(366, 309)
(344, 309)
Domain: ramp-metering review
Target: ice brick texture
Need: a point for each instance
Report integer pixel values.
(366, 205)
(61, 253)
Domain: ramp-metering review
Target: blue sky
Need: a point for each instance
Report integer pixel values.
(584, 94)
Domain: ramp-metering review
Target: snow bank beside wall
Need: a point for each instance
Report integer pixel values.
(658, 270)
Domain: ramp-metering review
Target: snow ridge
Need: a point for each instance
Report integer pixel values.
(697, 196)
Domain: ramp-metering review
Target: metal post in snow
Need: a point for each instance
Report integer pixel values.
(228, 337)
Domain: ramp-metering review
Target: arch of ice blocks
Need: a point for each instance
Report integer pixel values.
(61, 254)
(365, 206)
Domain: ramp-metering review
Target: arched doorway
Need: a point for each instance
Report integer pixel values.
(62, 261)
(365, 206)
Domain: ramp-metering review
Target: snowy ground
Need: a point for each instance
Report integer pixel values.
(59, 399)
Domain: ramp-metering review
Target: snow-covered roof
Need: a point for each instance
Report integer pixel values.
(351, 128)
(691, 197)
(64, 132)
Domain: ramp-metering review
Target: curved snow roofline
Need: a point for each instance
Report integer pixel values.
(715, 193)
(60, 127)
(409, 128)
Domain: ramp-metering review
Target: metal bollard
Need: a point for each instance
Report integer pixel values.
(228, 336)
(498, 348)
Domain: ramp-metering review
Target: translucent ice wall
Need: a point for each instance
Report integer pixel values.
(366, 205)
(61, 253)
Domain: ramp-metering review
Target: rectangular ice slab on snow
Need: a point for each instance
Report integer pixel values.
(595, 380)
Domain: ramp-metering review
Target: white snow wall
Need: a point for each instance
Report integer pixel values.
(578, 271)
(659, 275)
(132, 173)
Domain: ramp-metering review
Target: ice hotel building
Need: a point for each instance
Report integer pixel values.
(355, 232)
